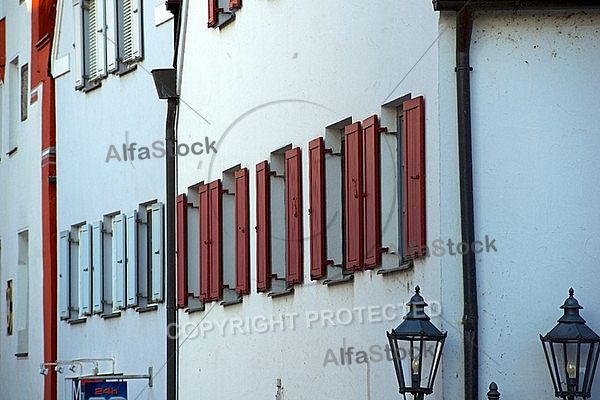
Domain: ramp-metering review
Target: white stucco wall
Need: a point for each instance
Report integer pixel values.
(125, 109)
(279, 74)
(535, 132)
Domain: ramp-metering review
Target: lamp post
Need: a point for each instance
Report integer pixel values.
(416, 346)
(571, 350)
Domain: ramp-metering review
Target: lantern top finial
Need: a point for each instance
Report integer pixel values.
(571, 307)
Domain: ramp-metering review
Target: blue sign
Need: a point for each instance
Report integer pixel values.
(103, 390)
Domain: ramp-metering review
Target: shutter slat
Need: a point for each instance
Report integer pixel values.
(372, 193)
(97, 267)
(158, 259)
(316, 174)
(182, 261)
(85, 270)
(263, 266)
(100, 33)
(216, 240)
(354, 194)
(78, 42)
(92, 52)
(111, 37)
(204, 242)
(64, 274)
(242, 233)
(293, 213)
(127, 31)
(414, 176)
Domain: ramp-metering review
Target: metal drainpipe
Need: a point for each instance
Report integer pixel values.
(464, 28)
(170, 177)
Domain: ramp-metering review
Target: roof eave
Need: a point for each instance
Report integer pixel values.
(456, 5)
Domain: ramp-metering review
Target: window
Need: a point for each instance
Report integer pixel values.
(109, 39)
(413, 185)
(22, 296)
(24, 91)
(188, 251)
(2, 48)
(222, 12)
(211, 248)
(13, 106)
(74, 276)
(279, 221)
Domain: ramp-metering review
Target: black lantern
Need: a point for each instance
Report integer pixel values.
(416, 346)
(571, 350)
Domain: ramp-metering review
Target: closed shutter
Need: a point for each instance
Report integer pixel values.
(127, 31)
(414, 176)
(204, 242)
(78, 29)
(119, 262)
(158, 259)
(293, 215)
(2, 48)
(64, 282)
(182, 260)
(100, 33)
(316, 211)
(216, 240)
(132, 259)
(136, 30)
(242, 232)
(85, 269)
(97, 267)
(92, 40)
(235, 4)
(372, 192)
(212, 13)
(353, 201)
(263, 239)
(112, 38)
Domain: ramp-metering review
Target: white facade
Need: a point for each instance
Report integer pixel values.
(279, 74)
(97, 188)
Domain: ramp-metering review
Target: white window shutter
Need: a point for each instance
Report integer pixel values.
(92, 40)
(132, 259)
(136, 29)
(85, 269)
(111, 36)
(100, 33)
(97, 267)
(78, 42)
(157, 251)
(127, 30)
(118, 266)
(64, 257)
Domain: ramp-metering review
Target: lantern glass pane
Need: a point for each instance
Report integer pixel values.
(559, 354)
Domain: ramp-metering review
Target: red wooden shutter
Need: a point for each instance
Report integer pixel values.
(235, 4)
(293, 215)
(182, 261)
(372, 203)
(353, 188)
(316, 211)
(216, 240)
(242, 234)
(414, 176)
(2, 48)
(263, 240)
(204, 242)
(213, 11)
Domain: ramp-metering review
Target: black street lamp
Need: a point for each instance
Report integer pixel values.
(416, 346)
(571, 350)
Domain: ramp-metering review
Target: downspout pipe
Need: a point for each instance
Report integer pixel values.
(170, 189)
(464, 28)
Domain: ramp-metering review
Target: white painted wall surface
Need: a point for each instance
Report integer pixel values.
(123, 110)
(279, 74)
(535, 136)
